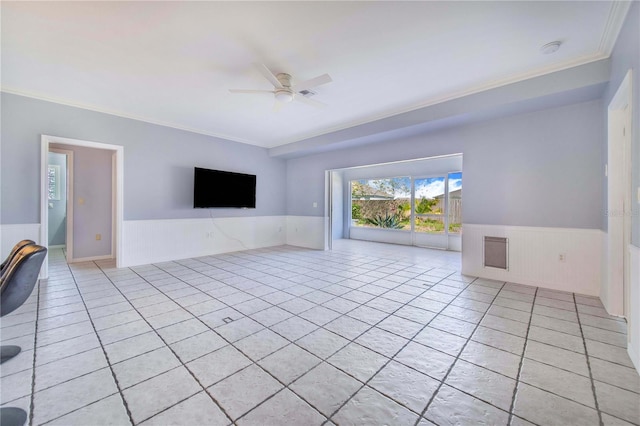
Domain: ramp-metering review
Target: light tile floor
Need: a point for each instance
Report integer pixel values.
(365, 334)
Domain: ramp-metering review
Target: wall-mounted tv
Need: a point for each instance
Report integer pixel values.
(216, 188)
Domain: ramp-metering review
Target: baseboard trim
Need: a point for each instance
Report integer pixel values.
(92, 258)
(633, 316)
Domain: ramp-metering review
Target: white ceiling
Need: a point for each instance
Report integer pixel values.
(172, 63)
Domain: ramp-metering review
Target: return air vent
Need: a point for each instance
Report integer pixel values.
(496, 252)
(307, 93)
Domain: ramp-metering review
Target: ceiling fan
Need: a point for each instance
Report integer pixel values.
(284, 91)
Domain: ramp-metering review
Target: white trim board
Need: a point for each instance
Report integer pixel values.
(633, 321)
(534, 256)
(92, 258)
(69, 205)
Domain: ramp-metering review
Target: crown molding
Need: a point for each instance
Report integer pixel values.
(615, 20)
(120, 114)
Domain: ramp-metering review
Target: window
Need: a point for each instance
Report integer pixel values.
(430, 204)
(381, 203)
(434, 208)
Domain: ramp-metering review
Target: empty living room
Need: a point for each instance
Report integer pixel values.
(320, 213)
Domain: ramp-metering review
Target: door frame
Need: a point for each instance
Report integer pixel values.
(69, 204)
(614, 293)
(45, 140)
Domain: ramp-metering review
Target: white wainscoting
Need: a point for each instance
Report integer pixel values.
(633, 345)
(307, 231)
(11, 234)
(152, 241)
(534, 256)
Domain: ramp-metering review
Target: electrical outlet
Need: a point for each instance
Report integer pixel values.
(98, 237)
(562, 257)
(315, 204)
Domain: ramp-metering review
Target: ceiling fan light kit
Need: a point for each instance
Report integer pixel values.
(283, 95)
(284, 92)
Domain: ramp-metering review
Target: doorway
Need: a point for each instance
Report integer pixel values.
(114, 155)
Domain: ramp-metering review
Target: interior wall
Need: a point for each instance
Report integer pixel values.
(92, 200)
(626, 56)
(158, 162)
(539, 169)
(58, 208)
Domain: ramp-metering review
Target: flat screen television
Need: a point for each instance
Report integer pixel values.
(217, 188)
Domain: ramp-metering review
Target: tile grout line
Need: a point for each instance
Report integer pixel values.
(318, 327)
(35, 345)
(168, 347)
(524, 349)
(415, 296)
(390, 358)
(457, 357)
(320, 289)
(350, 341)
(363, 284)
(329, 283)
(286, 386)
(113, 374)
(586, 352)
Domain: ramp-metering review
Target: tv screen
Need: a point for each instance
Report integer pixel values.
(216, 188)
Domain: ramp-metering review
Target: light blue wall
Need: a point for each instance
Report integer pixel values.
(537, 169)
(158, 162)
(626, 56)
(58, 208)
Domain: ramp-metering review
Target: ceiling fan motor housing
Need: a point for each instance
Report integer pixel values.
(285, 94)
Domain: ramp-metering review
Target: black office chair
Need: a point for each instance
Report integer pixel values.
(16, 284)
(19, 277)
(14, 251)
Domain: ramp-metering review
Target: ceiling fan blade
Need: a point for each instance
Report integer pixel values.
(250, 91)
(308, 84)
(266, 72)
(310, 102)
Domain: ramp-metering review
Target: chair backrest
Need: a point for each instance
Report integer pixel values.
(20, 276)
(14, 251)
